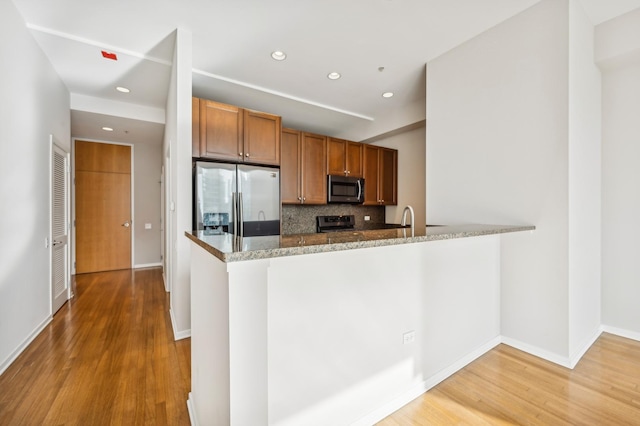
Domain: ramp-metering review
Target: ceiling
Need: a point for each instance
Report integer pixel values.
(376, 45)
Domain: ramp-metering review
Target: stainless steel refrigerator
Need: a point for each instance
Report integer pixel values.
(236, 198)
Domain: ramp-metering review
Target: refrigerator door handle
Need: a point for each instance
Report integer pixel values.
(241, 215)
(234, 207)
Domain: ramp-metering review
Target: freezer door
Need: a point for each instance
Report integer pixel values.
(214, 186)
(259, 190)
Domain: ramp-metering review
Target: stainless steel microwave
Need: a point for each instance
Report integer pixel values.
(345, 189)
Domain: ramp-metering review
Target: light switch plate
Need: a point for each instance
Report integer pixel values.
(147, 226)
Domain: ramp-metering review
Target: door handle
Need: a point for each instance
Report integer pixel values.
(126, 224)
(56, 242)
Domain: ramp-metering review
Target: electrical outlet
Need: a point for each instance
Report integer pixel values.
(366, 218)
(409, 337)
(147, 226)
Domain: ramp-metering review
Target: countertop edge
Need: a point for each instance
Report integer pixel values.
(257, 254)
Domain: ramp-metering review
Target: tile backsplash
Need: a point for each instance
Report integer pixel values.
(302, 219)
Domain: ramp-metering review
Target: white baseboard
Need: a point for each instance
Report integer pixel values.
(565, 361)
(574, 359)
(633, 335)
(164, 281)
(178, 335)
(416, 391)
(192, 411)
(535, 351)
(146, 265)
(12, 357)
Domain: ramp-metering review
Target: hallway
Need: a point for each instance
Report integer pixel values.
(108, 357)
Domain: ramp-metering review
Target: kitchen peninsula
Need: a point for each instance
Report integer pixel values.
(340, 328)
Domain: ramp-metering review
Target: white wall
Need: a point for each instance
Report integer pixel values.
(620, 175)
(584, 184)
(147, 169)
(497, 152)
(177, 143)
(335, 339)
(618, 40)
(395, 118)
(411, 174)
(34, 104)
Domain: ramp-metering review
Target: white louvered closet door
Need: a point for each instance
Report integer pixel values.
(59, 229)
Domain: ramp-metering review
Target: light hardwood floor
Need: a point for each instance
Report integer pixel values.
(506, 387)
(107, 358)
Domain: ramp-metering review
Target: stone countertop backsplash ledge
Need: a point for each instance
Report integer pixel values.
(229, 248)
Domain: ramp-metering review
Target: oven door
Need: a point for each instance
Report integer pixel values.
(343, 189)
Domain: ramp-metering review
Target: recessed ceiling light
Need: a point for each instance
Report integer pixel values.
(122, 89)
(387, 94)
(107, 129)
(279, 55)
(333, 75)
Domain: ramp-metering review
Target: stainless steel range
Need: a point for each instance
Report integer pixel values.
(335, 223)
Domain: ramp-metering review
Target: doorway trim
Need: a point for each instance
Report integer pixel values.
(73, 196)
(54, 146)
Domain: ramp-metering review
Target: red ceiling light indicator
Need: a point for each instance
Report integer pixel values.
(109, 55)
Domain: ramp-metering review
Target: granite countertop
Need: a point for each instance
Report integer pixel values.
(228, 248)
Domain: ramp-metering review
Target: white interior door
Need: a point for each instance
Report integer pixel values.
(60, 277)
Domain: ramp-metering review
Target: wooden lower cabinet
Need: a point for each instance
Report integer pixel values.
(380, 176)
(303, 168)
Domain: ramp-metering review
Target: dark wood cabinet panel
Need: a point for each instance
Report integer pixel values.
(303, 173)
(313, 166)
(371, 175)
(262, 137)
(388, 176)
(354, 160)
(380, 176)
(344, 157)
(336, 157)
(229, 133)
(221, 131)
(290, 166)
(195, 127)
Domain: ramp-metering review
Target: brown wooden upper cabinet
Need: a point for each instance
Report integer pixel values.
(380, 176)
(262, 133)
(303, 168)
(344, 158)
(235, 134)
(195, 127)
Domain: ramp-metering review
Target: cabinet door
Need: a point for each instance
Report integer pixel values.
(261, 138)
(354, 159)
(336, 158)
(371, 175)
(314, 169)
(195, 127)
(290, 166)
(220, 131)
(388, 189)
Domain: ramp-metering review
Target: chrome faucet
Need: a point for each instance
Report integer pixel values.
(404, 219)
